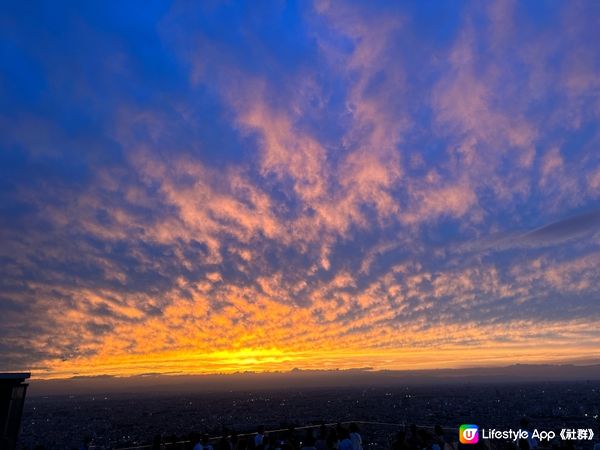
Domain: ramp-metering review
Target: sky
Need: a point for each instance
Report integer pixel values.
(214, 187)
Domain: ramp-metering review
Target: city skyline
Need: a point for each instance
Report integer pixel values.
(223, 187)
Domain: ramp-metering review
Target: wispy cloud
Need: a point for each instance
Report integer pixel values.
(219, 187)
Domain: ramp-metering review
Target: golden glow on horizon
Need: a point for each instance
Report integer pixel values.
(272, 360)
(255, 332)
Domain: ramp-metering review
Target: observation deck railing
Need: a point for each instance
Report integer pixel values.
(374, 434)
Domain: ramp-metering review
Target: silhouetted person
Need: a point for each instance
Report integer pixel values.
(260, 435)
(85, 443)
(525, 425)
(439, 439)
(234, 441)
(399, 442)
(425, 438)
(289, 441)
(308, 442)
(271, 442)
(172, 440)
(332, 438)
(345, 441)
(195, 441)
(413, 442)
(206, 442)
(355, 437)
(523, 444)
(321, 442)
(224, 443)
(192, 440)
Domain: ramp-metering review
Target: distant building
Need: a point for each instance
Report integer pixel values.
(12, 397)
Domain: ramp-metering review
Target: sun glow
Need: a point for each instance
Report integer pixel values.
(277, 360)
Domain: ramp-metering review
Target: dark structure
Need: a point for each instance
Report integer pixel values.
(12, 397)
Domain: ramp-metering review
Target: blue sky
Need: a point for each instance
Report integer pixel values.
(222, 186)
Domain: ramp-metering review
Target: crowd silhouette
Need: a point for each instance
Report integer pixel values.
(324, 437)
(338, 437)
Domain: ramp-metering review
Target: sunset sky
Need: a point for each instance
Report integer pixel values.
(211, 187)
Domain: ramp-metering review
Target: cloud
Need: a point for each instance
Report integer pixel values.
(565, 229)
(215, 189)
(556, 234)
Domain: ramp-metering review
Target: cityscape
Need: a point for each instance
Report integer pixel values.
(121, 420)
(300, 225)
